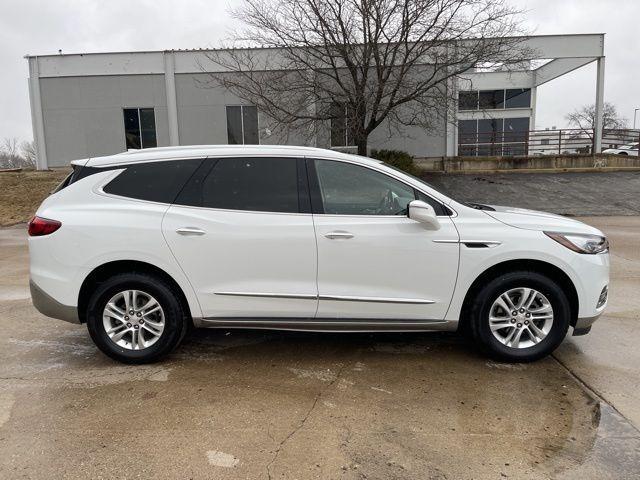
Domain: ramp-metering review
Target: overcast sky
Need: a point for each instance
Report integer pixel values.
(43, 27)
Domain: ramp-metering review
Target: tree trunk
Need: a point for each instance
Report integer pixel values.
(361, 143)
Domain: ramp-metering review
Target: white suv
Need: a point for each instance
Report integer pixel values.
(142, 245)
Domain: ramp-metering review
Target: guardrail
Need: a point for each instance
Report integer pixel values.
(541, 142)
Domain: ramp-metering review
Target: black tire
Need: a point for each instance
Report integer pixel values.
(479, 326)
(176, 321)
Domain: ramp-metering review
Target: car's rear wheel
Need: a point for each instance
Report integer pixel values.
(136, 318)
(520, 316)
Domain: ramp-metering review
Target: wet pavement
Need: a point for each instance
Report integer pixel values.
(291, 405)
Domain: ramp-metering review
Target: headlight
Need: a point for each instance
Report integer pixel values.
(581, 243)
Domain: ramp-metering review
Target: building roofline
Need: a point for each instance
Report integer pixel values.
(213, 49)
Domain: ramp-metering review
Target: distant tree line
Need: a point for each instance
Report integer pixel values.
(15, 154)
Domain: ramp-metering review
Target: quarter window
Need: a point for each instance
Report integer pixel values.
(140, 128)
(348, 189)
(242, 125)
(155, 181)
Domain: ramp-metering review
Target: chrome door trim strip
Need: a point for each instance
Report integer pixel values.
(301, 296)
(349, 298)
(486, 242)
(339, 298)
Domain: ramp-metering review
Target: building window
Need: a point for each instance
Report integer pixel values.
(468, 100)
(140, 128)
(491, 99)
(518, 98)
(242, 125)
(516, 129)
(493, 136)
(490, 136)
(340, 132)
(495, 99)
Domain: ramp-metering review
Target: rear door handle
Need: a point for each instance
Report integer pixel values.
(190, 231)
(338, 235)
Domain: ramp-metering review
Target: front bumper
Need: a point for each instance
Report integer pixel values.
(50, 307)
(583, 325)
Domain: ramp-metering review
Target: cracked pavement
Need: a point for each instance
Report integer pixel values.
(271, 405)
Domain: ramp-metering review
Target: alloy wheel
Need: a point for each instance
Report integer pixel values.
(133, 319)
(521, 317)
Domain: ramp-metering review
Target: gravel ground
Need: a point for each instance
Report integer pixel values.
(574, 194)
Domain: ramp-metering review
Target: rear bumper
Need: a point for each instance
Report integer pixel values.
(50, 307)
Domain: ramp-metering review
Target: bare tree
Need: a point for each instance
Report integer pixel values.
(584, 119)
(29, 153)
(362, 62)
(14, 154)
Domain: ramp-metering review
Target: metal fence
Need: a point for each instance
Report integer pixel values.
(541, 142)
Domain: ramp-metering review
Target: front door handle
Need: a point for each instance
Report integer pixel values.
(190, 231)
(338, 235)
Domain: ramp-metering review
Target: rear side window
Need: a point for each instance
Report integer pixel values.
(155, 182)
(245, 183)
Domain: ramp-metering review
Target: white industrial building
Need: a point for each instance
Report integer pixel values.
(92, 104)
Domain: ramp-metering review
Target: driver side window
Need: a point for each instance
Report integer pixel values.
(348, 189)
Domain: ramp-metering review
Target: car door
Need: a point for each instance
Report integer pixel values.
(242, 231)
(373, 261)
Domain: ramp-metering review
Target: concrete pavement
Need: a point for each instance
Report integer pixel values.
(287, 405)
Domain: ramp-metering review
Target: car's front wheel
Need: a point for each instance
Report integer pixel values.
(135, 318)
(520, 316)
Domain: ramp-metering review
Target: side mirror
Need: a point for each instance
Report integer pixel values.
(424, 213)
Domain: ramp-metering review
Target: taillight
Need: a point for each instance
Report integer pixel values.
(42, 226)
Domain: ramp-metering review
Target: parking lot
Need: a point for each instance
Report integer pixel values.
(246, 404)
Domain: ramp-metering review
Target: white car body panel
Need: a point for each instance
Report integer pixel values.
(391, 258)
(588, 273)
(534, 220)
(276, 265)
(98, 229)
(247, 264)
